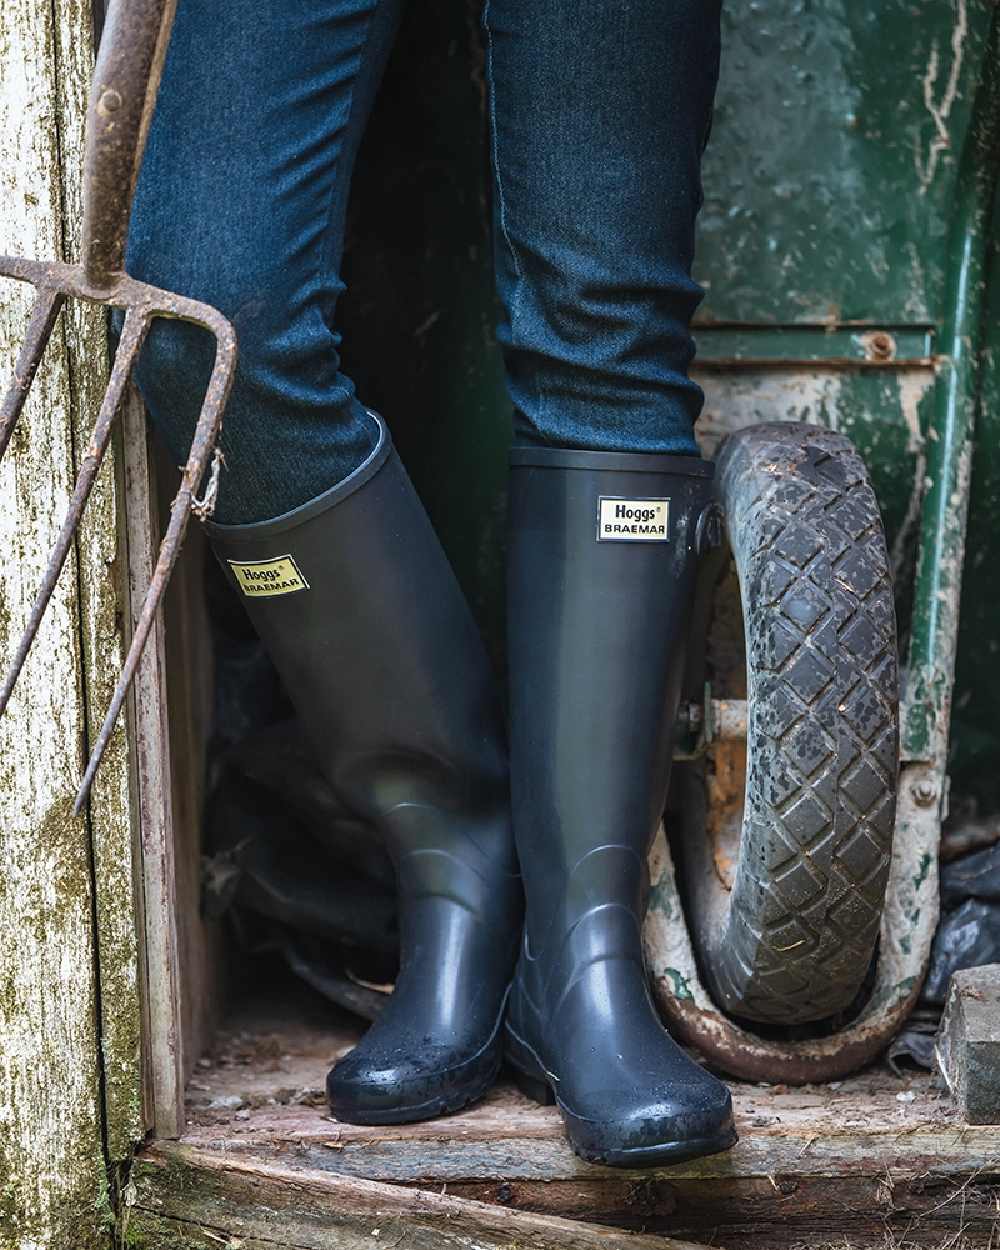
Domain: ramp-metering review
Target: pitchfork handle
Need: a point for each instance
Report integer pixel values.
(122, 95)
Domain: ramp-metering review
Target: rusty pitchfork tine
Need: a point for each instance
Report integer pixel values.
(134, 333)
(123, 93)
(43, 318)
(202, 448)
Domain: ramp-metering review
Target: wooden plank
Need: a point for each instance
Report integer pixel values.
(794, 1134)
(260, 1092)
(171, 714)
(102, 595)
(814, 1165)
(204, 1199)
(190, 689)
(164, 1070)
(52, 1178)
(775, 1212)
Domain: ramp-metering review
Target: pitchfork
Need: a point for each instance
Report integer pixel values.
(122, 96)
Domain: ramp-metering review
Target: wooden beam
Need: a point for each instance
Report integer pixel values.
(52, 1175)
(164, 1068)
(875, 1155)
(103, 596)
(208, 1200)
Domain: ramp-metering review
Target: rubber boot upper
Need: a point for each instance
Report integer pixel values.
(363, 617)
(602, 561)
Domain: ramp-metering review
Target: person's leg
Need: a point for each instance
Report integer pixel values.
(600, 113)
(241, 203)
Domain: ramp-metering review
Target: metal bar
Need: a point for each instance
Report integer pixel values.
(133, 334)
(727, 721)
(934, 630)
(122, 96)
(805, 346)
(43, 318)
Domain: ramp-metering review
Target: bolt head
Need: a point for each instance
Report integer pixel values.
(924, 793)
(110, 101)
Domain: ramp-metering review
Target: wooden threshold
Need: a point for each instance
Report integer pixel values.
(873, 1157)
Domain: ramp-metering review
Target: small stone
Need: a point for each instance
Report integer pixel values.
(908, 1096)
(968, 1043)
(226, 1102)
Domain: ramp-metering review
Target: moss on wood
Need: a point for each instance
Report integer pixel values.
(54, 1188)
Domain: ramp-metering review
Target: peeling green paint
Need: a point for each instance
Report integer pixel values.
(923, 869)
(678, 983)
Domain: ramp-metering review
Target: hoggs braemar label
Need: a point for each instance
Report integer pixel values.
(633, 520)
(260, 578)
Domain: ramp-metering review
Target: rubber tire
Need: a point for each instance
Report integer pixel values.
(794, 940)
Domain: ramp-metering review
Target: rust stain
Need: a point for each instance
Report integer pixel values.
(726, 782)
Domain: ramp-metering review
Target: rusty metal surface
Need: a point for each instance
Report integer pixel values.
(122, 96)
(43, 318)
(908, 923)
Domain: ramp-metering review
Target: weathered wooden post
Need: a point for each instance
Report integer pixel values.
(69, 1015)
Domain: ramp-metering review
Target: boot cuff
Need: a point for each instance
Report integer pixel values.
(615, 461)
(254, 531)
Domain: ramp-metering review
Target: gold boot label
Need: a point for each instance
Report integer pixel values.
(633, 520)
(260, 578)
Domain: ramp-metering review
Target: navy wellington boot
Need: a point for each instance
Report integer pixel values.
(361, 614)
(603, 548)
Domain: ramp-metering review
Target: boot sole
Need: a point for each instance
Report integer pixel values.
(533, 1081)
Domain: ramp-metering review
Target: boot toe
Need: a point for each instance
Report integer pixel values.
(645, 1128)
(417, 1084)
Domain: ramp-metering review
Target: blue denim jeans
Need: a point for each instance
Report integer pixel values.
(598, 112)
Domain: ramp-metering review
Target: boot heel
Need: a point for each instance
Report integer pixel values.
(533, 1087)
(528, 1074)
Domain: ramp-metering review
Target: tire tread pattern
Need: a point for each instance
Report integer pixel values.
(819, 617)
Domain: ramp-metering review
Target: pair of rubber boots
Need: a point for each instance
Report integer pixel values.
(366, 624)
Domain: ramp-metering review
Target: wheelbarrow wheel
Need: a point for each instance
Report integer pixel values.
(792, 940)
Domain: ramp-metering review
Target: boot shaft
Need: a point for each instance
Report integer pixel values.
(360, 610)
(602, 563)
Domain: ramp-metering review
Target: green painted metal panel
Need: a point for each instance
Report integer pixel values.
(975, 741)
(832, 167)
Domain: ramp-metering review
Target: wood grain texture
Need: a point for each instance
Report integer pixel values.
(872, 1155)
(190, 689)
(170, 711)
(52, 1176)
(259, 1092)
(103, 595)
(203, 1199)
(163, 1086)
